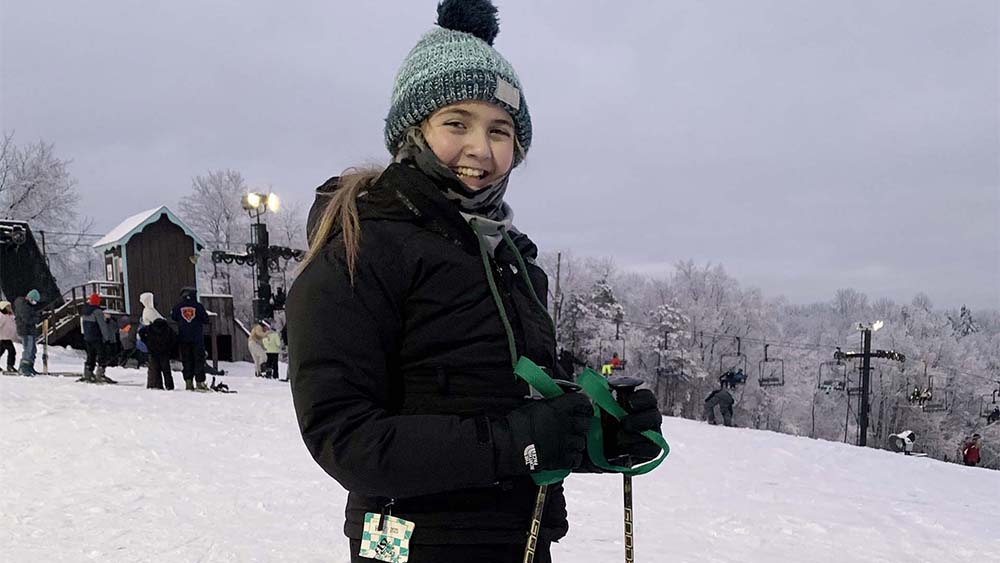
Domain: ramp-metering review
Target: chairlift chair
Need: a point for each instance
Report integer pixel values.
(832, 376)
(940, 400)
(770, 371)
(729, 363)
(987, 405)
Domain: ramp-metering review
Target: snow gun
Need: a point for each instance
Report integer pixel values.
(606, 404)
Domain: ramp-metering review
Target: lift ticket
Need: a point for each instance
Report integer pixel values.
(389, 542)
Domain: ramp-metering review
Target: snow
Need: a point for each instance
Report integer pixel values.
(121, 473)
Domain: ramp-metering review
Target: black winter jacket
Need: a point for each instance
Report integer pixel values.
(396, 378)
(95, 327)
(27, 317)
(159, 338)
(190, 317)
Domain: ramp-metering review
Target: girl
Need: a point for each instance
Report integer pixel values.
(416, 298)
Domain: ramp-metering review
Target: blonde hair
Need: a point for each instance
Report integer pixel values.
(341, 212)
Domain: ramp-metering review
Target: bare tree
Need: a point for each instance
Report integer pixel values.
(36, 187)
(214, 211)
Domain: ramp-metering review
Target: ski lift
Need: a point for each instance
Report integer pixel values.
(770, 371)
(854, 387)
(989, 408)
(832, 376)
(731, 366)
(935, 400)
(616, 346)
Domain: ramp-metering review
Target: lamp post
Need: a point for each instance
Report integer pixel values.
(256, 205)
(260, 254)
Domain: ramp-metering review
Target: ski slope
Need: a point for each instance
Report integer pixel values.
(121, 473)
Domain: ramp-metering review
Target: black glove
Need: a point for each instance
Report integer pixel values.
(623, 437)
(543, 435)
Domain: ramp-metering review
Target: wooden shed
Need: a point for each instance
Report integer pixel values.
(151, 251)
(229, 336)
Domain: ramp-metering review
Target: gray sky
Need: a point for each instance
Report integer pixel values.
(805, 145)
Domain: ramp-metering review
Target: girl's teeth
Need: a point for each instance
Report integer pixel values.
(470, 172)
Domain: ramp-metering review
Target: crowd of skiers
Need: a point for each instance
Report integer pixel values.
(115, 340)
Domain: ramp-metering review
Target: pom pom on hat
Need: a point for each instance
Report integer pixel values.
(94, 299)
(476, 17)
(453, 63)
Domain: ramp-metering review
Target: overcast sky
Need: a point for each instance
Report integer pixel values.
(805, 145)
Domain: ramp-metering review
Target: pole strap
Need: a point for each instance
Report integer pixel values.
(595, 387)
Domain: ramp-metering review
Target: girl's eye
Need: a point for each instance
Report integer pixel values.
(456, 124)
(502, 132)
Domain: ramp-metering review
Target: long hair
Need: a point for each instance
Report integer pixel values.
(341, 212)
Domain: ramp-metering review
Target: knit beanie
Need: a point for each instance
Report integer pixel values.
(33, 295)
(94, 299)
(454, 63)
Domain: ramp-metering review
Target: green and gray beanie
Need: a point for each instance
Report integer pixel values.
(454, 63)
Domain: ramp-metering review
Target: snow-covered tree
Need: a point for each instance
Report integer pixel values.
(213, 209)
(36, 186)
(964, 325)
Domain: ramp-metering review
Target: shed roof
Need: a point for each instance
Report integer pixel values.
(121, 234)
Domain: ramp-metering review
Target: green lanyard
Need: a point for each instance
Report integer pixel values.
(594, 386)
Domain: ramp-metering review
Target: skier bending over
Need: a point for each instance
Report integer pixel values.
(722, 398)
(415, 299)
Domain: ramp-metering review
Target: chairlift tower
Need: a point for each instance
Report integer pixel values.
(866, 356)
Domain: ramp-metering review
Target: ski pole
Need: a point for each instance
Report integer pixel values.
(536, 515)
(536, 524)
(623, 388)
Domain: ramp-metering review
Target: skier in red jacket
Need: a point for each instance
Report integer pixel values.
(970, 454)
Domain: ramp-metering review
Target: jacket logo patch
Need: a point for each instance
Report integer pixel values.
(188, 313)
(531, 457)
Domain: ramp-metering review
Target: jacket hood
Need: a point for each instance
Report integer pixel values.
(147, 300)
(189, 294)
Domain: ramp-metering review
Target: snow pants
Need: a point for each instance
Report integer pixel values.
(272, 365)
(97, 355)
(7, 346)
(479, 553)
(193, 360)
(727, 412)
(158, 375)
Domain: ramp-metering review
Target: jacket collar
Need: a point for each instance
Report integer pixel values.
(403, 193)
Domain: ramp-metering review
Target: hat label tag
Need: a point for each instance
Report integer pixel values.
(508, 93)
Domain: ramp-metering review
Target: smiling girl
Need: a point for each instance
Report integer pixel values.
(416, 299)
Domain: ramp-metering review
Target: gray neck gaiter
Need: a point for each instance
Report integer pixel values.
(486, 204)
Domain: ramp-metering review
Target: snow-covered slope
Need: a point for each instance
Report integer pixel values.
(121, 473)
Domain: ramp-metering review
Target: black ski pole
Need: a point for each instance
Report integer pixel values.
(623, 387)
(536, 524)
(536, 515)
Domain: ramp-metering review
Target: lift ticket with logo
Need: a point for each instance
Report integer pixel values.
(390, 543)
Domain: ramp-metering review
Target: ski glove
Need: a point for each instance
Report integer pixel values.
(544, 435)
(623, 441)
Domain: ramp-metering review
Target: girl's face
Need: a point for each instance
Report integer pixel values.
(474, 139)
